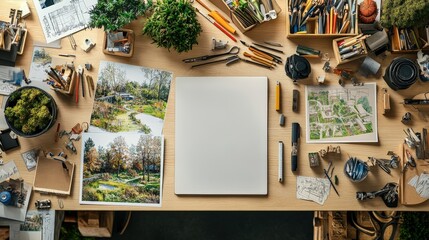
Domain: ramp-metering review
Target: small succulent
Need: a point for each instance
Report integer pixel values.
(114, 14)
(173, 24)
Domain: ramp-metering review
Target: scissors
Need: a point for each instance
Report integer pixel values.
(232, 51)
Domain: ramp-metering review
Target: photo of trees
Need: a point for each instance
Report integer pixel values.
(121, 168)
(130, 99)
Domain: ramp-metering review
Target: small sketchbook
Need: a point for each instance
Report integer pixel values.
(52, 177)
(221, 135)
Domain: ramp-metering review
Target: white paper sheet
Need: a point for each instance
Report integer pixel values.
(313, 189)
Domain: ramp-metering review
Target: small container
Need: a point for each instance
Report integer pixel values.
(338, 55)
(356, 170)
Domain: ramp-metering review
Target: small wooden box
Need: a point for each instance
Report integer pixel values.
(71, 85)
(420, 35)
(337, 51)
(312, 28)
(129, 34)
(224, 8)
(95, 224)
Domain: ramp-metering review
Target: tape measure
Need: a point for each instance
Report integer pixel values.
(5, 198)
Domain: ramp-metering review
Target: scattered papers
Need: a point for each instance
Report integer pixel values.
(16, 213)
(8, 170)
(10, 79)
(38, 225)
(62, 18)
(31, 228)
(313, 189)
(421, 184)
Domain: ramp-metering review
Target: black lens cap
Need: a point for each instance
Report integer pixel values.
(401, 73)
(297, 67)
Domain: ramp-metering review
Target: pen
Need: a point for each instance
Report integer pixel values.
(295, 138)
(56, 133)
(281, 163)
(278, 92)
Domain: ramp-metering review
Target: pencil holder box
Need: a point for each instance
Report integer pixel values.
(338, 55)
(311, 27)
(223, 6)
(403, 39)
(70, 86)
(127, 35)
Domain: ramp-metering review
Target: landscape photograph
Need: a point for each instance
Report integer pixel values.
(121, 169)
(130, 99)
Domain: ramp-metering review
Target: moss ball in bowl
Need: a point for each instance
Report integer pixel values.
(30, 111)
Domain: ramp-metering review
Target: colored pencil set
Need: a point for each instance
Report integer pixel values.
(329, 16)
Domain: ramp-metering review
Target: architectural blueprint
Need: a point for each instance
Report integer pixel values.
(63, 17)
(341, 114)
(313, 189)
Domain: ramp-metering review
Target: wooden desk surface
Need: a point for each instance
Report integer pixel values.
(280, 196)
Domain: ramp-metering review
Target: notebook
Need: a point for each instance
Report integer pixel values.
(221, 135)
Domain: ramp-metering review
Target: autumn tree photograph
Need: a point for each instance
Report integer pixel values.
(121, 168)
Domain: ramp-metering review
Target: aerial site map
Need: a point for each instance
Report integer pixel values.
(341, 114)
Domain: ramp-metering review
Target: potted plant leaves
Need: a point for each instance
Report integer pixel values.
(173, 24)
(30, 111)
(113, 15)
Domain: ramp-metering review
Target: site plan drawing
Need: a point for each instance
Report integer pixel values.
(341, 114)
(312, 189)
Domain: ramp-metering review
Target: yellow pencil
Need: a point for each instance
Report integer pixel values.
(278, 97)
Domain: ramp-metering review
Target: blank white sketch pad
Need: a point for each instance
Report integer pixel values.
(221, 135)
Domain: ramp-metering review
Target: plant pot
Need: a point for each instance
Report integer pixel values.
(114, 42)
(42, 128)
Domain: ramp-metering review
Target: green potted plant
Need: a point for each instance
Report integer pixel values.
(113, 15)
(30, 111)
(173, 24)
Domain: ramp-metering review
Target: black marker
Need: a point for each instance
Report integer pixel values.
(295, 138)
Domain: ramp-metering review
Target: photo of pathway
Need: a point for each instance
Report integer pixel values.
(130, 99)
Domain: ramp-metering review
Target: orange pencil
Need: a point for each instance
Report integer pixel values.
(334, 24)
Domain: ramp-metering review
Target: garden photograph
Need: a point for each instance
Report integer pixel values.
(130, 99)
(121, 169)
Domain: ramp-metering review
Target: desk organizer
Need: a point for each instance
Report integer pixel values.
(312, 26)
(337, 51)
(222, 5)
(127, 34)
(404, 37)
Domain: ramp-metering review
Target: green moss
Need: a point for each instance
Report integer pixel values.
(405, 13)
(30, 113)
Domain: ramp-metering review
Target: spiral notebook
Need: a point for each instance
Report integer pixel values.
(221, 135)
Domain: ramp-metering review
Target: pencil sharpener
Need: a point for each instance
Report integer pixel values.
(87, 45)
